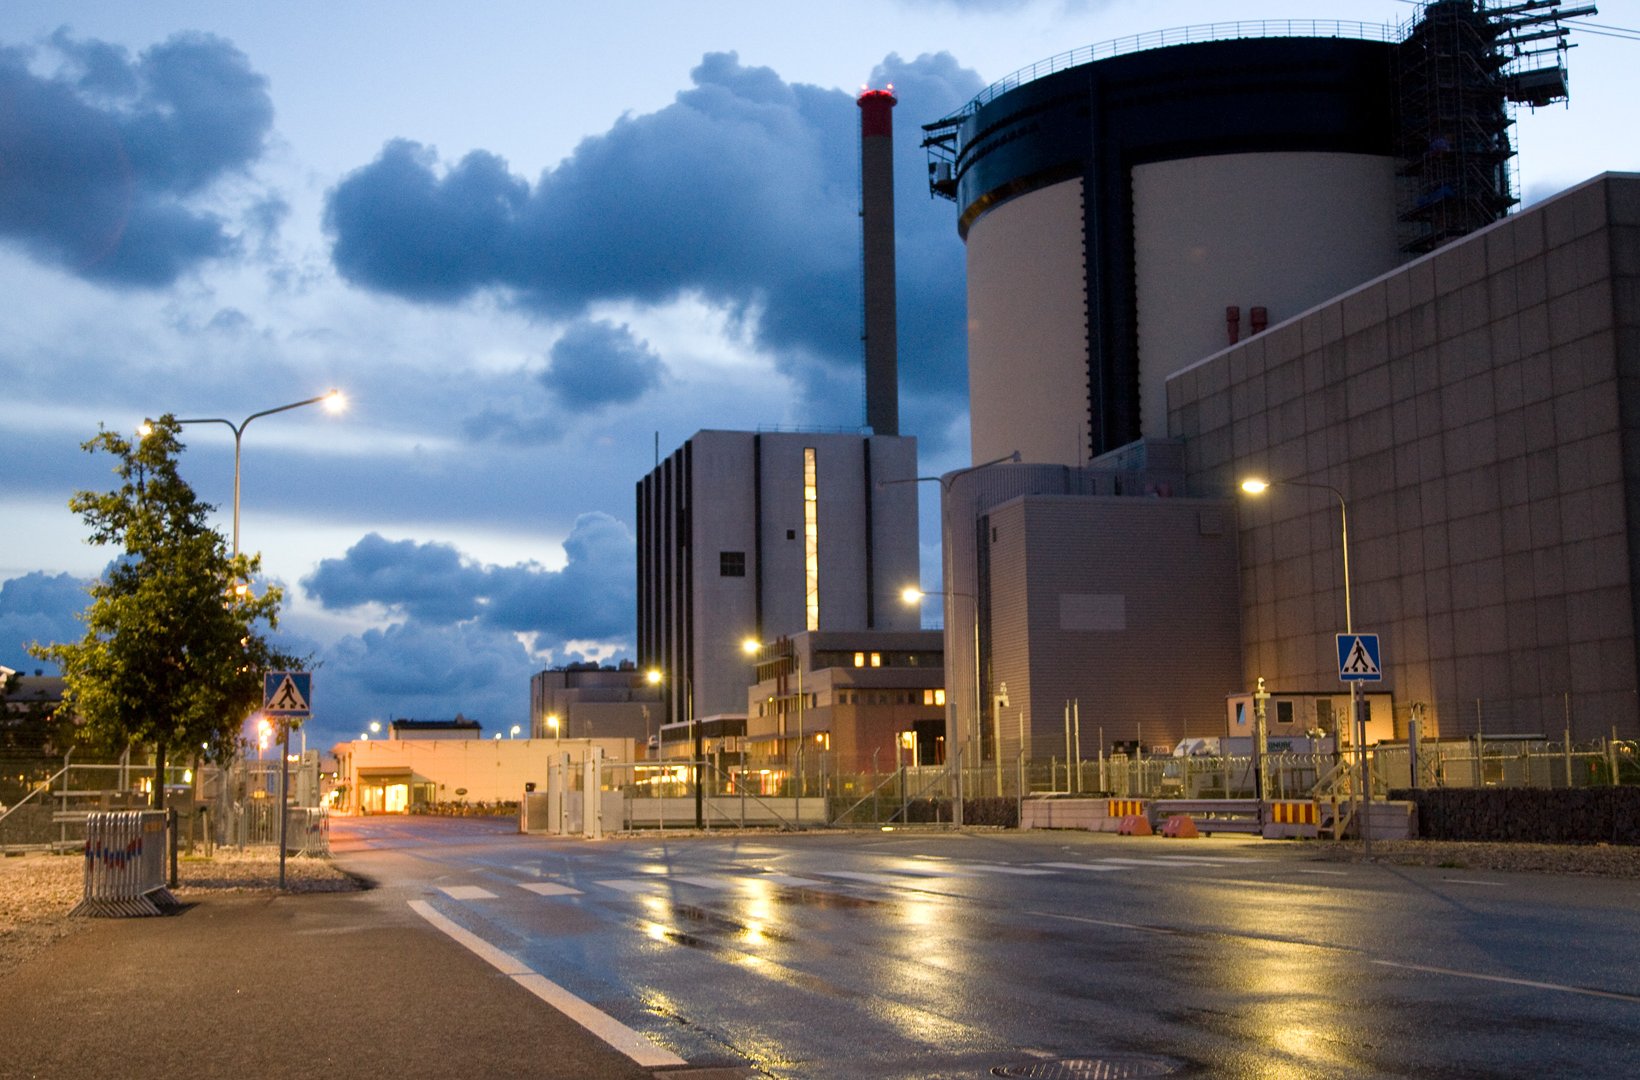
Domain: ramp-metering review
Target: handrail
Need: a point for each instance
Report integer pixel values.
(1181, 35)
(45, 785)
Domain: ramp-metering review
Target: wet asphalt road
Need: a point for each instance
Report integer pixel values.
(934, 955)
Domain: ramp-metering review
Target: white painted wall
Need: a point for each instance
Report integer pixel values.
(1028, 329)
(1282, 231)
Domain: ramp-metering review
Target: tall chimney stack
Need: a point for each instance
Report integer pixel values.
(877, 233)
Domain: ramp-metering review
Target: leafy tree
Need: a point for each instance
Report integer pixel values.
(171, 655)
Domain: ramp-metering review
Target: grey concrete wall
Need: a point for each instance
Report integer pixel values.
(1477, 410)
(1126, 606)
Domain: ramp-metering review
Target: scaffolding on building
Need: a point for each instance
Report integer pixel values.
(1461, 67)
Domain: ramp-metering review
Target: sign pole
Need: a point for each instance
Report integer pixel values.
(284, 809)
(286, 696)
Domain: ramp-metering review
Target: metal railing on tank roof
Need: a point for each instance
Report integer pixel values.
(1184, 35)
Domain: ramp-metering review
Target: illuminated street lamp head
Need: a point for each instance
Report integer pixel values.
(654, 676)
(375, 726)
(1254, 486)
(552, 721)
(750, 645)
(145, 429)
(335, 401)
(911, 594)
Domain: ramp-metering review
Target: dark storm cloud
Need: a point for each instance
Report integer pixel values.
(417, 671)
(459, 645)
(743, 191)
(591, 598)
(100, 159)
(430, 582)
(598, 363)
(43, 608)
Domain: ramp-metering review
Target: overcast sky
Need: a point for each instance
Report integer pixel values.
(529, 240)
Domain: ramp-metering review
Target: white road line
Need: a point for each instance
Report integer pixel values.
(1329, 873)
(1557, 987)
(601, 1024)
(1135, 862)
(991, 868)
(786, 879)
(1102, 922)
(630, 885)
(1205, 860)
(1093, 867)
(1468, 881)
(705, 882)
(466, 892)
(873, 879)
(548, 888)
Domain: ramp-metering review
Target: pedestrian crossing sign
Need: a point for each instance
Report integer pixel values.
(287, 693)
(1358, 658)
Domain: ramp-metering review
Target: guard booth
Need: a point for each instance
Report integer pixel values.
(1295, 714)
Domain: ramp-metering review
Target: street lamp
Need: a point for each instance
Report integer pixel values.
(655, 678)
(334, 401)
(1259, 485)
(913, 595)
(945, 483)
(513, 733)
(552, 722)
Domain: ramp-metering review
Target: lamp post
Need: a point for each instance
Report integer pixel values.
(1257, 486)
(333, 401)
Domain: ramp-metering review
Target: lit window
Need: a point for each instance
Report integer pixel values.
(811, 538)
(859, 659)
(876, 659)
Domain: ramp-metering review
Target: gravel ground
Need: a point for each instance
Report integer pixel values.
(38, 891)
(1600, 860)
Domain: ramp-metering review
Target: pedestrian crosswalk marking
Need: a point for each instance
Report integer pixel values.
(869, 878)
(630, 885)
(706, 882)
(904, 878)
(466, 892)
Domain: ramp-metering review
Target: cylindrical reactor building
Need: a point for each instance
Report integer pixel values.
(1128, 216)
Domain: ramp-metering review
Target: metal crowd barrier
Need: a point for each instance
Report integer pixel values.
(125, 864)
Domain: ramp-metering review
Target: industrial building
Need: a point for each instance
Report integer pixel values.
(758, 536)
(755, 535)
(1128, 208)
(1142, 220)
(588, 701)
(1477, 409)
(865, 701)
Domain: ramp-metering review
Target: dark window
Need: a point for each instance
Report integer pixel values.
(732, 564)
(791, 534)
(1284, 712)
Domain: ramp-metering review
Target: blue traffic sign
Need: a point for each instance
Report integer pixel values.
(287, 693)
(1358, 658)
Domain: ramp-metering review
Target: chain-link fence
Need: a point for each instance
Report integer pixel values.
(44, 802)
